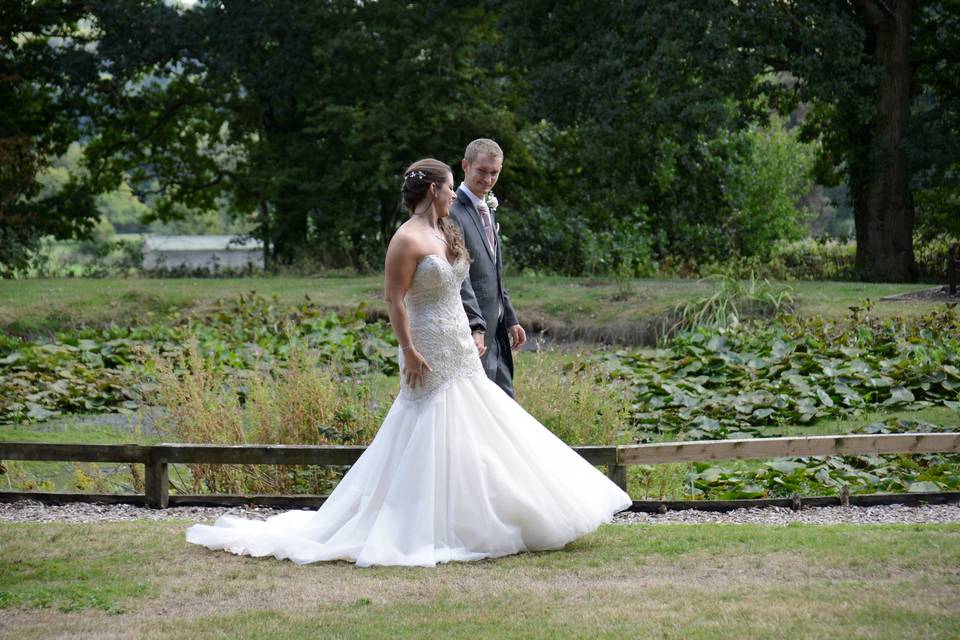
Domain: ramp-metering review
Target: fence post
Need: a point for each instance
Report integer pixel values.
(156, 482)
(618, 475)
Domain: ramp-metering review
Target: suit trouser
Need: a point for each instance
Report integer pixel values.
(498, 360)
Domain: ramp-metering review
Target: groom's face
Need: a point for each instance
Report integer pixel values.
(481, 174)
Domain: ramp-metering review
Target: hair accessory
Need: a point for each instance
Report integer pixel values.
(416, 174)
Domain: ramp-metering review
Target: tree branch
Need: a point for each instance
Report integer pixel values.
(168, 113)
(182, 188)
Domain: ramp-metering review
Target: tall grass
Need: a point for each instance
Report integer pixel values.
(732, 301)
(572, 398)
(300, 404)
(203, 402)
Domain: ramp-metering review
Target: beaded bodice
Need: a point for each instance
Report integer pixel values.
(439, 325)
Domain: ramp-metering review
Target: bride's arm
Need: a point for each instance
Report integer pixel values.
(401, 264)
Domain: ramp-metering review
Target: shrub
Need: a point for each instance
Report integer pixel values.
(565, 242)
(812, 259)
(931, 255)
(763, 189)
(95, 257)
(824, 258)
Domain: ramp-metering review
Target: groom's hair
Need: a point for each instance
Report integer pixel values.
(484, 146)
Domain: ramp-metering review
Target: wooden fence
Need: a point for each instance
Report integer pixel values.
(157, 458)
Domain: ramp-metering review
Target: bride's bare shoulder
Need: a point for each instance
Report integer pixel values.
(409, 241)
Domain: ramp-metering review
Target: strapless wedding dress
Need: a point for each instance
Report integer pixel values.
(458, 470)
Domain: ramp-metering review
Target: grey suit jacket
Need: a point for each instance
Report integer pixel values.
(482, 290)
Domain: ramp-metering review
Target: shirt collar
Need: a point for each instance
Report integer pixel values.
(473, 198)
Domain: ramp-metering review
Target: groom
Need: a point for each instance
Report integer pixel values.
(496, 331)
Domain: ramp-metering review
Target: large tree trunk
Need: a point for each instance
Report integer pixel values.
(883, 202)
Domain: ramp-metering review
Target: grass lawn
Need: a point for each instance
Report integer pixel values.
(583, 307)
(140, 579)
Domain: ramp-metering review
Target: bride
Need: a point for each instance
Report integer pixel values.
(458, 470)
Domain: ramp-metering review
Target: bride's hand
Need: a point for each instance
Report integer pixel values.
(413, 366)
(480, 342)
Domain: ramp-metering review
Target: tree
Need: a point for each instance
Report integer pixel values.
(644, 97)
(400, 82)
(881, 178)
(935, 121)
(44, 68)
(662, 78)
(893, 130)
(304, 114)
(626, 124)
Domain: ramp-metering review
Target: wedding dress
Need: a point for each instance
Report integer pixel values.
(458, 470)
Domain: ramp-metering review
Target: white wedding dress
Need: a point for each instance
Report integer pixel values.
(458, 470)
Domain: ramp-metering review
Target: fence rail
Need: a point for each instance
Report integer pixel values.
(788, 447)
(157, 458)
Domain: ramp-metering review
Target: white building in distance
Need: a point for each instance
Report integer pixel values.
(202, 252)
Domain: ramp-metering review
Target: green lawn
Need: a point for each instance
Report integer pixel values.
(584, 307)
(140, 579)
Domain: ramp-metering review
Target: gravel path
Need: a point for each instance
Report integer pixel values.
(32, 511)
(882, 514)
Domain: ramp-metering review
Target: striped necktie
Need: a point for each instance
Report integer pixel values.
(487, 224)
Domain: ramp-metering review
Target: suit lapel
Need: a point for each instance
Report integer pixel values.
(475, 216)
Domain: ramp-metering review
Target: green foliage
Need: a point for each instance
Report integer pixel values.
(809, 259)
(68, 375)
(658, 143)
(933, 256)
(723, 383)
(94, 257)
(95, 369)
(572, 399)
(764, 189)
(636, 134)
(786, 477)
(733, 301)
(823, 259)
(672, 87)
(42, 87)
(302, 117)
(304, 403)
(750, 184)
(751, 381)
(253, 370)
(935, 125)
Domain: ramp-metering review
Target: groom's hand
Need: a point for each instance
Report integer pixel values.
(481, 343)
(518, 337)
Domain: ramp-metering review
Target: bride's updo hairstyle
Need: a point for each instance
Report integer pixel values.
(417, 198)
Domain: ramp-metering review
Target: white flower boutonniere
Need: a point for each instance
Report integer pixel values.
(491, 201)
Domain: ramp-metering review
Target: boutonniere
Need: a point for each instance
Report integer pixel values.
(491, 201)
